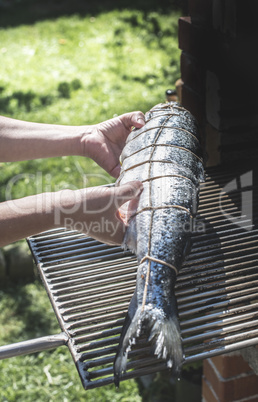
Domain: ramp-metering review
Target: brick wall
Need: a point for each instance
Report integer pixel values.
(219, 69)
(229, 378)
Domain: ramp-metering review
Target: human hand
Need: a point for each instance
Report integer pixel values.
(106, 140)
(94, 210)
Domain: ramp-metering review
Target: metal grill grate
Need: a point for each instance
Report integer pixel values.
(90, 285)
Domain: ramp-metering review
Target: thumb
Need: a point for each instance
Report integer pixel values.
(138, 119)
(127, 192)
(133, 119)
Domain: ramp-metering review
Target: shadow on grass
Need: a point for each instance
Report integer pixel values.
(17, 12)
(24, 100)
(29, 100)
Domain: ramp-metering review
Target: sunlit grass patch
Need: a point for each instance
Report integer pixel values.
(122, 60)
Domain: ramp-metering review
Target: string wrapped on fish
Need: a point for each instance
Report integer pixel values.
(166, 156)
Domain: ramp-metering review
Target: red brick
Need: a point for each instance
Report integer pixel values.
(192, 72)
(228, 390)
(179, 84)
(231, 365)
(208, 393)
(193, 102)
(192, 39)
(210, 374)
(225, 109)
(243, 387)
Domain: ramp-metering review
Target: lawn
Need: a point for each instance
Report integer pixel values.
(82, 70)
(79, 66)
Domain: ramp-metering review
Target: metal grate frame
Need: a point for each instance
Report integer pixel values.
(90, 285)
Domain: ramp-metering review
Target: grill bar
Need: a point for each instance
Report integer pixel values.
(90, 284)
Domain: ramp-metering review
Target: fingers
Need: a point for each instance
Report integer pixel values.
(127, 192)
(136, 119)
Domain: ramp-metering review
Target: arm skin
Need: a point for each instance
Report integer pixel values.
(21, 140)
(93, 210)
(103, 142)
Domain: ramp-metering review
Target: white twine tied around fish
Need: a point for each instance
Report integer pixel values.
(148, 257)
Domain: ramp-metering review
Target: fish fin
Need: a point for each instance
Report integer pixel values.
(129, 241)
(163, 331)
(167, 342)
(121, 356)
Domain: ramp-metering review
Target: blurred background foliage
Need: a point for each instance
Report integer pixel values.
(74, 63)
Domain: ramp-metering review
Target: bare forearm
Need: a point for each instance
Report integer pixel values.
(90, 210)
(20, 140)
(24, 217)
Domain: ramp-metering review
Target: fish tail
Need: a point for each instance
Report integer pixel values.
(162, 330)
(167, 341)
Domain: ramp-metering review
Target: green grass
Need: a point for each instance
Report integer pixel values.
(77, 69)
(25, 313)
(122, 61)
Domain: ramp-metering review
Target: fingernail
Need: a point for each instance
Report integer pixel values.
(141, 120)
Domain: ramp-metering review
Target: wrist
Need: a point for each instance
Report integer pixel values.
(82, 140)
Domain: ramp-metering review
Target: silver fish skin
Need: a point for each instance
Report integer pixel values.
(165, 155)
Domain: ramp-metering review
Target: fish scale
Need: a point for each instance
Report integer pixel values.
(164, 154)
